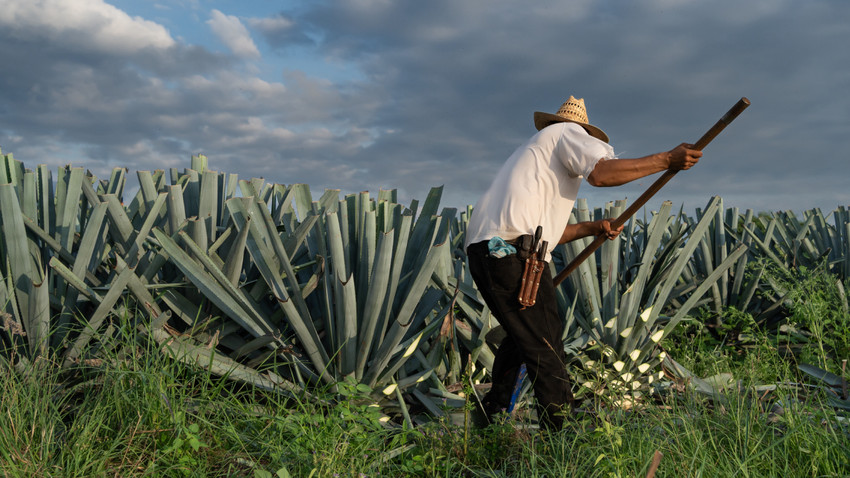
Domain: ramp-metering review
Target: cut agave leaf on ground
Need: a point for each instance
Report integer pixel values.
(822, 375)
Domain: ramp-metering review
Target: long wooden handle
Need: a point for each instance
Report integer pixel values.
(730, 115)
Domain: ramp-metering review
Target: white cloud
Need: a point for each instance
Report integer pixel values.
(230, 30)
(90, 24)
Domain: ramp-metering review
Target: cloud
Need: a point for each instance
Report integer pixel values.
(436, 92)
(86, 24)
(457, 82)
(280, 31)
(230, 30)
(79, 101)
(272, 24)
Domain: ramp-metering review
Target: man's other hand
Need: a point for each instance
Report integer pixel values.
(608, 231)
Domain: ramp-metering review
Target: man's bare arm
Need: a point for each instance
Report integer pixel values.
(621, 171)
(590, 228)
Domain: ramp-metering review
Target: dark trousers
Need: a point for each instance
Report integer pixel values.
(533, 335)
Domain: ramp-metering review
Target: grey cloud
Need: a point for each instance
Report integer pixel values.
(71, 102)
(447, 91)
(281, 31)
(464, 83)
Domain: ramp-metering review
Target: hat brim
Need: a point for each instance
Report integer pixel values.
(542, 120)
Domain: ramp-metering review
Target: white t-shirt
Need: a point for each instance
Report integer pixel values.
(538, 186)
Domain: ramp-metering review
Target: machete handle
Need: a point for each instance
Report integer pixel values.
(701, 143)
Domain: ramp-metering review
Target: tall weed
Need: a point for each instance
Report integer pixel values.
(818, 306)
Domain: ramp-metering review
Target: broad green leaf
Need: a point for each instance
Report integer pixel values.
(375, 300)
(404, 317)
(68, 206)
(264, 259)
(822, 375)
(233, 265)
(209, 203)
(212, 289)
(176, 209)
(104, 308)
(345, 312)
(23, 273)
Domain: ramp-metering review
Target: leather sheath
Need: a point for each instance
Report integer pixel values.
(531, 275)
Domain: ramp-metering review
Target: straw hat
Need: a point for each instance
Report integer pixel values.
(572, 111)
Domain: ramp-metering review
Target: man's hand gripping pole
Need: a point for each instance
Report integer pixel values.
(730, 115)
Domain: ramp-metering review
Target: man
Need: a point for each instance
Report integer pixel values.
(538, 186)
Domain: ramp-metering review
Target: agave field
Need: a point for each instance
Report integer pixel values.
(270, 288)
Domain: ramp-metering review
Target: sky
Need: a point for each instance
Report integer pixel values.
(362, 95)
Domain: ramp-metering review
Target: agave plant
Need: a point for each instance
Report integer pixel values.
(737, 286)
(619, 318)
(778, 241)
(344, 287)
(792, 242)
(266, 286)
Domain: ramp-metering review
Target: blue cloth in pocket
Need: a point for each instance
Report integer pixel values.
(499, 248)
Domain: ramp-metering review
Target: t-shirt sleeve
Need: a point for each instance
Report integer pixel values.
(579, 152)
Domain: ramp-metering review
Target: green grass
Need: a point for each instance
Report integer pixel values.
(139, 412)
(144, 414)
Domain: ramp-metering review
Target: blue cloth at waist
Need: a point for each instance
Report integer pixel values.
(499, 248)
